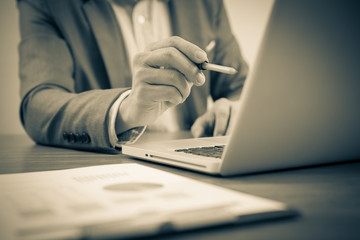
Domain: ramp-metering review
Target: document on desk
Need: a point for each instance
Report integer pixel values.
(122, 200)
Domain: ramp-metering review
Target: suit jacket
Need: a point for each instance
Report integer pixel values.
(73, 66)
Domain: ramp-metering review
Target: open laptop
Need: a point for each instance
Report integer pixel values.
(300, 105)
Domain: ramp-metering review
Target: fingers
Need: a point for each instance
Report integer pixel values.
(215, 122)
(172, 58)
(177, 53)
(143, 106)
(151, 96)
(193, 52)
(222, 116)
(165, 77)
(204, 125)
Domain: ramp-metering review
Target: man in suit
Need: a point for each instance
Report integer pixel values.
(94, 73)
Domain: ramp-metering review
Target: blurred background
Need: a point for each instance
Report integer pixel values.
(247, 17)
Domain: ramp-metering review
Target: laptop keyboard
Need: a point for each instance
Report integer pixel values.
(212, 151)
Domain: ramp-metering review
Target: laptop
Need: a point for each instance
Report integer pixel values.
(300, 105)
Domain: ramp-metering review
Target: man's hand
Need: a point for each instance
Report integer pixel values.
(216, 121)
(163, 77)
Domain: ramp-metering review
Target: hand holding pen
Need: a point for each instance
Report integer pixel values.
(163, 76)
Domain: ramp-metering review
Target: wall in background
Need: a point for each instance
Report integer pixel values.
(248, 19)
(9, 80)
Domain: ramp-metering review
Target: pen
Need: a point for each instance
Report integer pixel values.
(217, 68)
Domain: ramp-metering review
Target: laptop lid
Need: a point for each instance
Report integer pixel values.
(301, 103)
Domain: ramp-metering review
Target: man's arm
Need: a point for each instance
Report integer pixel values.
(51, 112)
(54, 114)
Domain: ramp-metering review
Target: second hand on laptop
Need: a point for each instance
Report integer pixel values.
(217, 68)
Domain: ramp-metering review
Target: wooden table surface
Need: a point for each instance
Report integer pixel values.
(327, 197)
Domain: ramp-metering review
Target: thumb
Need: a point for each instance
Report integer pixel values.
(204, 125)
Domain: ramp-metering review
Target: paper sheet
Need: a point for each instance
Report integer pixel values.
(115, 200)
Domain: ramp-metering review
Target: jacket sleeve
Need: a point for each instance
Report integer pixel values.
(227, 52)
(52, 113)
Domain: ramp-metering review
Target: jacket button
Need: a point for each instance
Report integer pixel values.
(66, 137)
(78, 138)
(72, 138)
(85, 138)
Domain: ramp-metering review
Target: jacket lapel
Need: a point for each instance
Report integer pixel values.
(108, 36)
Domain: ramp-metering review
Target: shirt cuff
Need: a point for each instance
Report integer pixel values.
(129, 136)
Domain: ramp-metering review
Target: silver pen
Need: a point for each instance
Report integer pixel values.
(217, 68)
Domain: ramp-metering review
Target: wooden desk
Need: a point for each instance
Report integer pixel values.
(328, 197)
